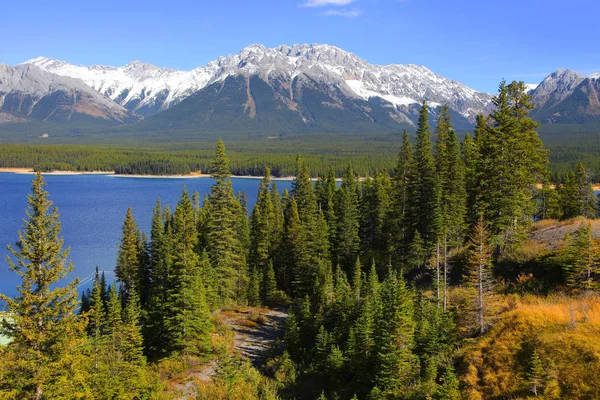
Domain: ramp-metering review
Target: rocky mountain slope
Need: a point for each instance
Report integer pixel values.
(567, 97)
(28, 92)
(147, 89)
(299, 88)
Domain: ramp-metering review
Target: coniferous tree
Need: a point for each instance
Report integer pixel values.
(347, 240)
(224, 246)
(587, 199)
(582, 259)
(161, 260)
(269, 285)
(44, 358)
(374, 212)
(128, 258)
(479, 269)
(424, 185)
(512, 161)
(312, 247)
(185, 291)
(133, 342)
(396, 363)
(535, 374)
(548, 202)
(196, 316)
(254, 283)
(95, 313)
(450, 175)
(399, 220)
(291, 274)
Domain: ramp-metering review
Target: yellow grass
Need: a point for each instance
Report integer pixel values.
(565, 332)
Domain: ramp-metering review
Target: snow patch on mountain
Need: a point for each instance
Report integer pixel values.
(147, 89)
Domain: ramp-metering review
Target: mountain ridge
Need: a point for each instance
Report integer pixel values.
(30, 92)
(160, 88)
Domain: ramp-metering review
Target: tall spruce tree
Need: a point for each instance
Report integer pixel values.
(127, 269)
(424, 185)
(451, 176)
(374, 211)
(44, 358)
(224, 246)
(399, 221)
(347, 240)
(512, 161)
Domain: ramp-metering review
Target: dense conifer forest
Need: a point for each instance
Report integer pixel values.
(433, 279)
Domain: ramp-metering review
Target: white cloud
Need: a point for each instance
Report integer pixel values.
(321, 3)
(342, 13)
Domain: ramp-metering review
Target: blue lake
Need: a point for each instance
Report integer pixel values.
(92, 209)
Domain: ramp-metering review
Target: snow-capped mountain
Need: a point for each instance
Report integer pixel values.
(147, 89)
(566, 96)
(28, 91)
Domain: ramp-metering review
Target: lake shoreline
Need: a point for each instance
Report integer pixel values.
(192, 175)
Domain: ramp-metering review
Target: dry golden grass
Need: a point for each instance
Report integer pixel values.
(565, 332)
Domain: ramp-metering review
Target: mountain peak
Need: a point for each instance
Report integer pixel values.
(595, 75)
(147, 89)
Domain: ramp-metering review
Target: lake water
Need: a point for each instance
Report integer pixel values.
(92, 209)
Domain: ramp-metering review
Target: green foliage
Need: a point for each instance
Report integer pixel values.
(224, 245)
(424, 186)
(128, 258)
(581, 259)
(44, 357)
(512, 160)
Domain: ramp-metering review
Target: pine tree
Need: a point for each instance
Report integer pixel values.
(416, 252)
(374, 212)
(548, 203)
(291, 274)
(224, 246)
(185, 293)
(44, 357)
(347, 239)
(160, 260)
(424, 186)
(535, 374)
(582, 259)
(133, 342)
(569, 197)
(254, 283)
(269, 285)
(396, 363)
(586, 198)
(113, 311)
(197, 324)
(128, 258)
(479, 269)
(96, 311)
(449, 389)
(399, 221)
(512, 161)
(451, 176)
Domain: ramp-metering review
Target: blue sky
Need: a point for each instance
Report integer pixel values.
(477, 42)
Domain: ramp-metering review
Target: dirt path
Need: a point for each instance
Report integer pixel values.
(256, 331)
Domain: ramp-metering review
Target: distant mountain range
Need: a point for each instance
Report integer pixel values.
(567, 97)
(299, 88)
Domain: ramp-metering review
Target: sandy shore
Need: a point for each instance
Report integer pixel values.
(112, 173)
(57, 172)
(189, 176)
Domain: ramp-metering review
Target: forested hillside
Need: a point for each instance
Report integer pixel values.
(453, 277)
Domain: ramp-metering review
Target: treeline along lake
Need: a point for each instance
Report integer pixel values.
(92, 209)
